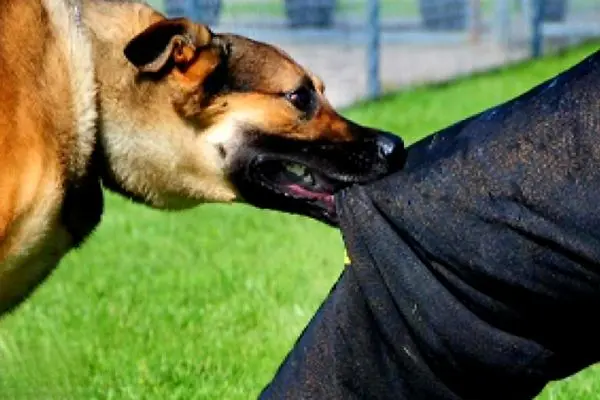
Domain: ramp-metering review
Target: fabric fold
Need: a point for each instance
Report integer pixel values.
(475, 271)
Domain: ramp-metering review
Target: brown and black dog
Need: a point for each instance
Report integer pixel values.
(163, 111)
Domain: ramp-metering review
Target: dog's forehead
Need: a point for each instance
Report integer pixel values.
(262, 67)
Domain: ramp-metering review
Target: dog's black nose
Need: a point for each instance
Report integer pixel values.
(391, 148)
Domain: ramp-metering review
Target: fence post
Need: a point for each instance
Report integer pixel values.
(373, 50)
(475, 21)
(537, 39)
(502, 23)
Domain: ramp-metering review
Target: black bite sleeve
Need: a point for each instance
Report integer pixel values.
(475, 270)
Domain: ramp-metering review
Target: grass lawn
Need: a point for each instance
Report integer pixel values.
(271, 8)
(204, 304)
(390, 8)
(276, 8)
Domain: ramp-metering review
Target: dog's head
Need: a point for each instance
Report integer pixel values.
(228, 118)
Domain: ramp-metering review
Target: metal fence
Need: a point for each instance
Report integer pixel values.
(561, 23)
(362, 48)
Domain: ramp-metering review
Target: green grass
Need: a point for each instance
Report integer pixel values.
(388, 8)
(276, 8)
(204, 304)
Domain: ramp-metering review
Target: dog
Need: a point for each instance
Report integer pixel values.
(163, 111)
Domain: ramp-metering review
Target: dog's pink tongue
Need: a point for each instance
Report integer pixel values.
(324, 197)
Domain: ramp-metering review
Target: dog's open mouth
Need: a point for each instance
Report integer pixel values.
(303, 177)
(298, 181)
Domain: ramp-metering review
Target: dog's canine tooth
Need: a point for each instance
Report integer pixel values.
(308, 178)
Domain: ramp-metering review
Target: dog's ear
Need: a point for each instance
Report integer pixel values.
(176, 40)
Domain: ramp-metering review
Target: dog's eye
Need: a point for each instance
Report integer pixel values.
(301, 98)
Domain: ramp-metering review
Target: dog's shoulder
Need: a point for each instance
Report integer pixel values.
(47, 137)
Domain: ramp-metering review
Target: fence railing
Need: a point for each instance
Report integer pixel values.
(515, 28)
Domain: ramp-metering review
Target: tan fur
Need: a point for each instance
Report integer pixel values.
(35, 143)
(184, 169)
(74, 110)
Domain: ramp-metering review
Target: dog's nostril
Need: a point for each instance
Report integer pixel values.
(391, 148)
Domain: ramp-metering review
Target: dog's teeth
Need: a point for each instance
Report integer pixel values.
(297, 169)
(308, 178)
(301, 173)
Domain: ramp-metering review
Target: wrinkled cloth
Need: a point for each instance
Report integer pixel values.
(475, 271)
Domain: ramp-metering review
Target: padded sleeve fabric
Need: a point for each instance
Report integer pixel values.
(475, 271)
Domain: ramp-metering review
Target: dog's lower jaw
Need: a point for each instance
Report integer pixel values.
(188, 192)
(176, 202)
(195, 193)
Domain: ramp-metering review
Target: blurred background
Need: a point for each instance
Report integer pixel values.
(362, 48)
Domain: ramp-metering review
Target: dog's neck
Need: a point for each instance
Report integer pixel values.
(110, 19)
(126, 105)
(111, 25)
